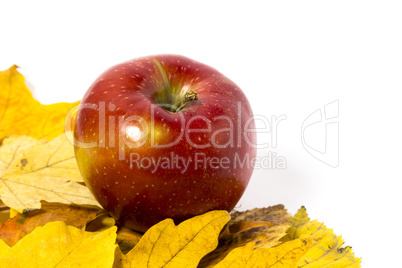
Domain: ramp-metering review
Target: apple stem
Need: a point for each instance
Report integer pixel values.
(183, 100)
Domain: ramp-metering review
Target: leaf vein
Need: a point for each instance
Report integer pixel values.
(214, 219)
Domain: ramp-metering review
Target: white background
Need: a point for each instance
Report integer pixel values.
(290, 58)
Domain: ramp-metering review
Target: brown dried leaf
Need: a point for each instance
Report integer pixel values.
(101, 222)
(262, 226)
(127, 239)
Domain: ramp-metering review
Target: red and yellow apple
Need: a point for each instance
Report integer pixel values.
(164, 137)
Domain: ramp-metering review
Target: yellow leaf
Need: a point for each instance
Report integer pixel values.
(13, 212)
(327, 250)
(284, 255)
(21, 114)
(7, 258)
(299, 222)
(307, 244)
(33, 170)
(59, 245)
(167, 245)
(120, 260)
(12, 147)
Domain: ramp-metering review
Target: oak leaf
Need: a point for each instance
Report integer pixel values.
(32, 170)
(167, 245)
(59, 245)
(21, 114)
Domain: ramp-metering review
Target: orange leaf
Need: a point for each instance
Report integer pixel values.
(22, 224)
(21, 114)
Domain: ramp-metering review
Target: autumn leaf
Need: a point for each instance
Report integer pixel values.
(305, 244)
(22, 224)
(33, 170)
(247, 242)
(59, 245)
(167, 245)
(7, 257)
(21, 114)
(262, 226)
(280, 256)
(13, 212)
(269, 234)
(327, 251)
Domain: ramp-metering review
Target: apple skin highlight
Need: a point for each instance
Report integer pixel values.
(163, 137)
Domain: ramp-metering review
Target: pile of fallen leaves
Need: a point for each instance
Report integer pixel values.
(51, 219)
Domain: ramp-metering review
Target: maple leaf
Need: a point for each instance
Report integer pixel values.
(21, 114)
(167, 245)
(32, 170)
(59, 245)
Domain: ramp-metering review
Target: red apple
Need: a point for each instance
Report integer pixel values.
(164, 137)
